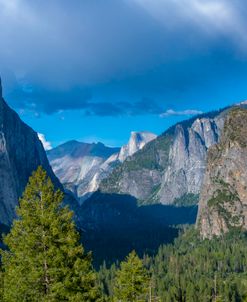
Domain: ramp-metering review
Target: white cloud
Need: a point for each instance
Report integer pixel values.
(47, 145)
(187, 112)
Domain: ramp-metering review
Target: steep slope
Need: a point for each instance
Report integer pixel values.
(169, 167)
(21, 152)
(136, 142)
(115, 225)
(81, 167)
(76, 164)
(223, 201)
(187, 158)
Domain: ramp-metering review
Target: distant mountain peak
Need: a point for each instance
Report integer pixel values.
(138, 139)
(82, 166)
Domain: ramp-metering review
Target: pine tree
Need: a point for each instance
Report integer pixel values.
(1, 284)
(132, 281)
(45, 261)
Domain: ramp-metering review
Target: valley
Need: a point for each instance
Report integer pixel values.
(144, 195)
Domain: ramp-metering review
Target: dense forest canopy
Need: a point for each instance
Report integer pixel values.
(44, 261)
(192, 270)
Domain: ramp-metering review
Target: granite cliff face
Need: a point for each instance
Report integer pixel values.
(169, 167)
(223, 200)
(81, 166)
(187, 158)
(21, 152)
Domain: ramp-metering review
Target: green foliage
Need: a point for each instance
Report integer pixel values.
(106, 279)
(225, 197)
(45, 261)
(187, 200)
(198, 270)
(225, 194)
(131, 281)
(235, 126)
(1, 284)
(152, 199)
(154, 156)
(193, 270)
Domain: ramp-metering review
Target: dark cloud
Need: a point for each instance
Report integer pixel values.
(115, 57)
(145, 106)
(49, 102)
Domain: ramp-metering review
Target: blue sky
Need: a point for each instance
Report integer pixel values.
(94, 70)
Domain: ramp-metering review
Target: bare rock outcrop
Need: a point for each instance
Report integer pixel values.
(223, 200)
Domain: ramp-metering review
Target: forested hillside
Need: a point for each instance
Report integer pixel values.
(192, 270)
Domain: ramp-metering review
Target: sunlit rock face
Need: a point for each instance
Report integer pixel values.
(81, 166)
(223, 200)
(187, 158)
(136, 142)
(170, 166)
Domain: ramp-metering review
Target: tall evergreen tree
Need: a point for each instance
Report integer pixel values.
(45, 261)
(192, 270)
(132, 281)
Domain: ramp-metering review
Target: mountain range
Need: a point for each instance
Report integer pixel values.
(169, 169)
(81, 166)
(131, 197)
